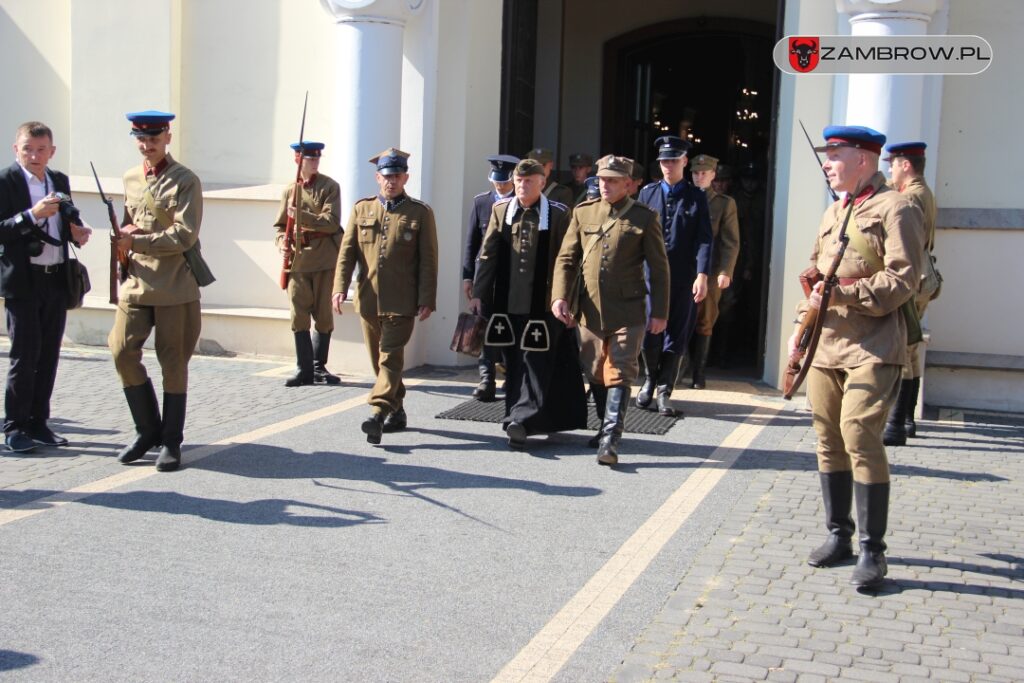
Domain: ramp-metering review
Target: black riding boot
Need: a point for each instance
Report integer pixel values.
(895, 433)
(321, 348)
(699, 359)
(872, 518)
(484, 391)
(303, 361)
(146, 415)
(670, 365)
(909, 421)
(837, 492)
(652, 362)
(173, 432)
(611, 429)
(600, 394)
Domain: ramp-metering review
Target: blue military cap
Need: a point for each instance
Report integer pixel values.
(391, 161)
(308, 148)
(593, 187)
(671, 147)
(149, 122)
(861, 137)
(905, 149)
(502, 166)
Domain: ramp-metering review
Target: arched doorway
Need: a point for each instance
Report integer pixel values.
(712, 81)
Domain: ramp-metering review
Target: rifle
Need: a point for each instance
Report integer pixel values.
(118, 257)
(291, 226)
(809, 332)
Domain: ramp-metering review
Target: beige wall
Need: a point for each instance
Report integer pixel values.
(979, 117)
(36, 85)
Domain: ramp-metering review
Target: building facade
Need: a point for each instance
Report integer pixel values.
(453, 81)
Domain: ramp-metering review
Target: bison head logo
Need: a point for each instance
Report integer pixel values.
(803, 53)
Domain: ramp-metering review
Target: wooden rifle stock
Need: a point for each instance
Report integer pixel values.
(118, 257)
(291, 226)
(810, 329)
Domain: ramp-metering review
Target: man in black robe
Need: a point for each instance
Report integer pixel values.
(544, 388)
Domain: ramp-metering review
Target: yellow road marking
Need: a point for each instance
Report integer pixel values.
(190, 456)
(555, 644)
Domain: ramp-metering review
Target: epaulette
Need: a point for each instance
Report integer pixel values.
(366, 199)
(588, 202)
(560, 205)
(654, 184)
(504, 200)
(482, 194)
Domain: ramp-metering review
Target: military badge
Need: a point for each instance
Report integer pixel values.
(499, 331)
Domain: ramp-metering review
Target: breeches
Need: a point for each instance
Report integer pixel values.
(310, 296)
(849, 408)
(609, 357)
(914, 367)
(386, 337)
(177, 331)
(707, 310)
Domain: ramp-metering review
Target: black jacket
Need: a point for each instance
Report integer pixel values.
(15, 232)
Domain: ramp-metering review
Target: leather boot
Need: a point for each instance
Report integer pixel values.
(146, 415)
(652, 362)
(670, 365)
(699, 359)
(172, 432)
(895, 433)
(837, 492)
(872, 518)
(321, 347)
(909, 421)
(485, 391)
(611, 429)
(395, 422)
(303, 361)
(373, 427)
(600, 394)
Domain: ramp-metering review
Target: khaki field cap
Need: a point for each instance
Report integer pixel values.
(704, 162)
(611, 166)
(529, 167)
(542, 155)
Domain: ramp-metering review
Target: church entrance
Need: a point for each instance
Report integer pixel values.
(710, 81)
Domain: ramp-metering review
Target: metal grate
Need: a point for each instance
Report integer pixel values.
(637, 421)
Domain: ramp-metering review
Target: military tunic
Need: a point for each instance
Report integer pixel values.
(557, 192)
(918, 192)
(315, 257)
(160, 290)
(394, 243)
(543, 389)
(687, 237)
(855, 372)
(601, 266)
(725, 230)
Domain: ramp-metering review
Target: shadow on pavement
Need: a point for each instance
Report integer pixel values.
(897, 586)
(11, 660)
(1011, 572)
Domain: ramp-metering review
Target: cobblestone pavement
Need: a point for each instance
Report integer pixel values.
(750, 609)
(745, 605)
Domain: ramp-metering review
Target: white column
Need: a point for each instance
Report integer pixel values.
(890, 104)
(369, 46)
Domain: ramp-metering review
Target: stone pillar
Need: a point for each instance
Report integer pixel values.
(368, 95)
(891, 104)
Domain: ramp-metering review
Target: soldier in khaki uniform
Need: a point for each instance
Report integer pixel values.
(854, 375)
(315, 255)
(393, 239)
(725, 250)
(553, 190)
(601, 266)
(907, 161)
(163, 208)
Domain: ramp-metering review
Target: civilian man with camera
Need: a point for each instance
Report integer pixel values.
(37, 221)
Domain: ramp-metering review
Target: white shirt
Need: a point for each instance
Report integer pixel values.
(37, 189)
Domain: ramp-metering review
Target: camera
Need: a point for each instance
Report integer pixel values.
(68, 211)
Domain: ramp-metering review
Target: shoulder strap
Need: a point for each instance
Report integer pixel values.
(161, 215)
(862, 247)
